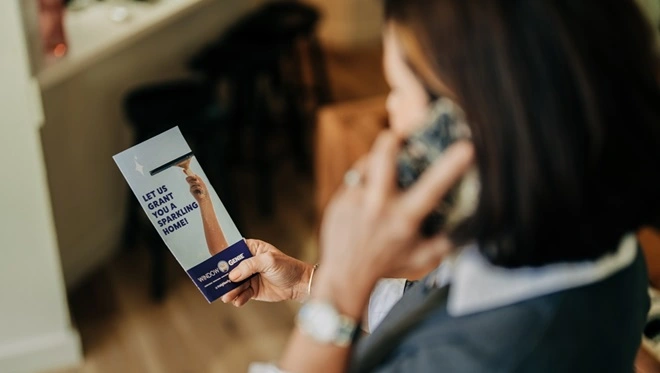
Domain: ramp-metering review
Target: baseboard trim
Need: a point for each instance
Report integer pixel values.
(58, 350)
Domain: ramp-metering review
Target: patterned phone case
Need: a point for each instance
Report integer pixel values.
(445, 124)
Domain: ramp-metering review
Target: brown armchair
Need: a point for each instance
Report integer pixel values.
(344, 133)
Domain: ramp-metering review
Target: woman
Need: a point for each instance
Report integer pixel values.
(564, 110)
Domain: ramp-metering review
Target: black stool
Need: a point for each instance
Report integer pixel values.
(263, 46)
(266, 46)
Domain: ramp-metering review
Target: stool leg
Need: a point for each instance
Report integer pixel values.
(261, 124)
(131, 226)
(319, 71)
(237, 109)
(216, 146)
(157, 252)
(296, 109)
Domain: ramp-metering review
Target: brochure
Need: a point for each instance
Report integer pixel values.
(174, 192)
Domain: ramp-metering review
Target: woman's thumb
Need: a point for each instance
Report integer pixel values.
(245, 269)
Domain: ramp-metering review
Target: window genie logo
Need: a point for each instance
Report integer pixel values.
(223, 266)
(208, 275)
(235, 259)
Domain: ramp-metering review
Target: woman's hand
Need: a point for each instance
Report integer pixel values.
(279, 276)
(371, 230)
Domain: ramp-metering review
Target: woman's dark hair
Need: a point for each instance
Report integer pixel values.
(563, 100)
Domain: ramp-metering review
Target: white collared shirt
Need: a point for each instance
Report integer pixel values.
(478, 285)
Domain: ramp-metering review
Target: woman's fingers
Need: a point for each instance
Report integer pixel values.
(381, 170)
(244, 297)
(437, 180)
(361, 164)
(231, 295)
(261, 262)
(253, 245)
(430, 252)
(262, 259)
(247, 268)
(257, 246)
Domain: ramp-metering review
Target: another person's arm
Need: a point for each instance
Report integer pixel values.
(215, 238)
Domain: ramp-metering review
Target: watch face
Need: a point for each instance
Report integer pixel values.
(320, 320)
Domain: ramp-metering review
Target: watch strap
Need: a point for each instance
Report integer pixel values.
(346, 332)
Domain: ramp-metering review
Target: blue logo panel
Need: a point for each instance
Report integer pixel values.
(212, 275)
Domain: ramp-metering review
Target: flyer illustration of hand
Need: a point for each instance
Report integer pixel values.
(172, 188)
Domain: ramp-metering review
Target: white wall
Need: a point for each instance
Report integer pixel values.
(35, 330)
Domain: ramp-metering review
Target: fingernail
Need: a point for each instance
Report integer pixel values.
(234, 275)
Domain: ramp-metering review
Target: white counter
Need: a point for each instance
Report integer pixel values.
(84, 126)
(92, 35)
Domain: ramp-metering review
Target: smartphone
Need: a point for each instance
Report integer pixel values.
(444, 125)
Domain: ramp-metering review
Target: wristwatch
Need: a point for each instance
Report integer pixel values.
(321, 321)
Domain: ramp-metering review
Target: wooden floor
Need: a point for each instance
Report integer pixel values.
(123, 330)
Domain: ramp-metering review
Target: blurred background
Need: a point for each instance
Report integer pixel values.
(277, 100)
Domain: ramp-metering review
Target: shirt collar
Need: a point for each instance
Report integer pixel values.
(477, 285)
